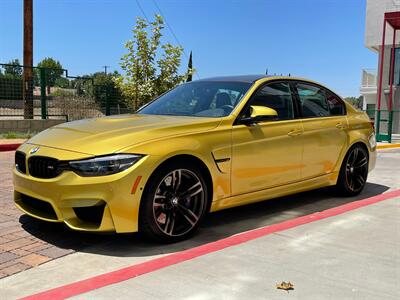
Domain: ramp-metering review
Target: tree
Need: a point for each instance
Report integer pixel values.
(13, 69)
(150, 67)
(96, 83)
(62, 82)
(54, 70)
(355, 101)
(11, 85)
(190, 68)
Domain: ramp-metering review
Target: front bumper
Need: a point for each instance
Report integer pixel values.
(103, 203)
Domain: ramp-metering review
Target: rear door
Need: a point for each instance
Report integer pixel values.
(267, 154)
(325, 129)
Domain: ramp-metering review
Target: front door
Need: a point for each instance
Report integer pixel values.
(267, 154)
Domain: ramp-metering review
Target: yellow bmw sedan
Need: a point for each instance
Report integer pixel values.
(204, 146)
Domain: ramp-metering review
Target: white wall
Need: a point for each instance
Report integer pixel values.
(374, 22)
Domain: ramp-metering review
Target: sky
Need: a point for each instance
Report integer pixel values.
(321, 40)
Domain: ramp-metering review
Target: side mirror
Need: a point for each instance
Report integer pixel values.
(260, 114)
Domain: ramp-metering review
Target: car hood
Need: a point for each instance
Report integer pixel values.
(109, 134)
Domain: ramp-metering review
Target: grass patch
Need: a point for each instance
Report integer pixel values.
(17, 135)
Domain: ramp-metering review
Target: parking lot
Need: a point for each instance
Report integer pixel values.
(351, 254)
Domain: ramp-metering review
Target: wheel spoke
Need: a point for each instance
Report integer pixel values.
(354, 156)
(176, 179)
(188, 214)
(351, 184)
(361, 163)
(159, 201)
(158, 205)
(170, 223)
(360, 179)
(192, 191)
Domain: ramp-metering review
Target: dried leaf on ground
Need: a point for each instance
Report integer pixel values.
(287, 286)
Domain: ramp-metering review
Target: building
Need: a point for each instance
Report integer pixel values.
(381, 99)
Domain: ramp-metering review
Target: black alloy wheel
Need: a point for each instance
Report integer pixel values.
(354, 171)
(174, 204)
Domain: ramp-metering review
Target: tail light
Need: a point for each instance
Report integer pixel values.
(373, 124)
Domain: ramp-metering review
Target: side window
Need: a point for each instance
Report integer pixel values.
(336, 105)
(312, 101)
(276, 96)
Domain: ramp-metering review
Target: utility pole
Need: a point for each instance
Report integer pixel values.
(28, 60)
(105, 69)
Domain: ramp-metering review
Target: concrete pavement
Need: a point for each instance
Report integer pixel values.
(345, 257)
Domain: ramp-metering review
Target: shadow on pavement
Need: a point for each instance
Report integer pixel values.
(216, 226)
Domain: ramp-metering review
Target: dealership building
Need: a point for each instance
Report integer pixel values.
(380, 87)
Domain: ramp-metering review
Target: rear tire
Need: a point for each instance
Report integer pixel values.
(174, 202)
(353, 172)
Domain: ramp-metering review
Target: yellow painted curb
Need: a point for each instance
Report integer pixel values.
(388, 146)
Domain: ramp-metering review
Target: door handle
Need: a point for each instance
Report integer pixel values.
(294, 132)
(340, 126)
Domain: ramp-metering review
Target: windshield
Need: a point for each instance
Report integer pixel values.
(199, 99)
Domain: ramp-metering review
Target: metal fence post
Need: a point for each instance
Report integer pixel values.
(378, 125)
(108, 108)
(390, 124)
(43, 98)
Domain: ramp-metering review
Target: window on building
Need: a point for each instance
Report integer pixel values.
(371, 110)
(396, 80)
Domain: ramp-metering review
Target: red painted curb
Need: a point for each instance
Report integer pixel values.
(106, 279)
(9, 147)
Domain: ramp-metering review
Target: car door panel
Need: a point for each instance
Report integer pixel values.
(324, 140)
(265, 155)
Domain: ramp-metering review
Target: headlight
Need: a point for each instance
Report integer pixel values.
(104, 165)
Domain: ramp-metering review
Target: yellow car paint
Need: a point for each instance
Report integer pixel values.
(246, 163)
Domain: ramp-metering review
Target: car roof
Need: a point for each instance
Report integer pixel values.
(238, 78)
(249, 78)
(256, 77)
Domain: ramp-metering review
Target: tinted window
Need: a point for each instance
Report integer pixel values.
(312, 101)
(200, 99)
(336, 105)
(276, 96)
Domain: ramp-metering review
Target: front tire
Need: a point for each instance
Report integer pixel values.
(353, 172)
(173, 203)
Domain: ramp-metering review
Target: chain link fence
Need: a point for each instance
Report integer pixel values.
(28, 92)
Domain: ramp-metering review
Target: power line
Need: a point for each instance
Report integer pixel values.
(172, 32)
(141, 9)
